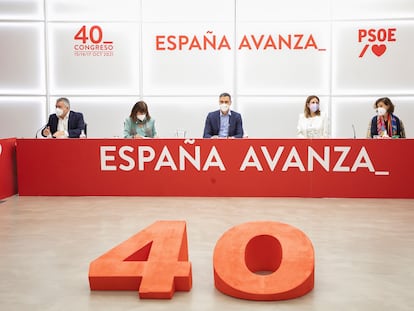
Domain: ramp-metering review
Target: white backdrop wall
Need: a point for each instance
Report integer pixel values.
(269, 54)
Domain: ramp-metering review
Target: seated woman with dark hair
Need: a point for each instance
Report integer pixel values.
(385, 124)
(139, 124)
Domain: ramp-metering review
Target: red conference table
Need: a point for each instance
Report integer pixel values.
(8, 178)
(223, 167)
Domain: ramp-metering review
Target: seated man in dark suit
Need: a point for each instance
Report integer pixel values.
(223, 123)
(64, 123)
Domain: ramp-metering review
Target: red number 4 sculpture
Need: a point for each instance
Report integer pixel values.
(154, 262)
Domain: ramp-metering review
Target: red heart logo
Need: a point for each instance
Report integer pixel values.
(379, 49)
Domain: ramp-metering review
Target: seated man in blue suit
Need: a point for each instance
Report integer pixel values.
(223, 123)
(64, 123)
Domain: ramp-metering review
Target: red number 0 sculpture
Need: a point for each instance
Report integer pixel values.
(245, 251)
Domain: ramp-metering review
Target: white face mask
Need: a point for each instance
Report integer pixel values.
(314, 107)
(141, 117)
(59, 112)
(224, 107)
(381, 111)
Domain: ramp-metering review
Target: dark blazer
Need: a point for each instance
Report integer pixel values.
(75, 124)
(212, 126)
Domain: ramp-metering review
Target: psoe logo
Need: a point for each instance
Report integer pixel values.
(376, 40)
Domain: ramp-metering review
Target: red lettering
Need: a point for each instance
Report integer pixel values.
(371, 35)
(159, 40)
(270, 43)
(224, 44)
(81, 34)
(311, 43)
(245, 43)
(182, 40)
(381, 35)
(391, 34)
(299, 39)
(171, 41)
(257, 43)
(195, 44)
(362, 33)
(287, 42)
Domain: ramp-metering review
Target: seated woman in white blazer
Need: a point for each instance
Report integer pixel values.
(312, 122)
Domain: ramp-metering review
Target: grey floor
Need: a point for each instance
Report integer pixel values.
(364, 250)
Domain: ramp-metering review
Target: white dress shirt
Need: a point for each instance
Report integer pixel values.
(63, 124)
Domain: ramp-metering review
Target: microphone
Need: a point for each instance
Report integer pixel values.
(38, 131)
(353, 129)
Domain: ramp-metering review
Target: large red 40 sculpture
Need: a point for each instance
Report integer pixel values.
(254, 261)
